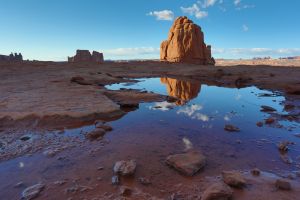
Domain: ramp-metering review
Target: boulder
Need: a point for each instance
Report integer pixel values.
(217, 191)
(33, 191)
(187, 163)
(86, 56)
(233, 179)
(125, 168)
(185, 44)
(283, 184)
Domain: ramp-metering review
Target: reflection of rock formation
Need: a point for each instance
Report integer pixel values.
(183, 90)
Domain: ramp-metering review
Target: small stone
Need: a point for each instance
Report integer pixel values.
(234, 179)
(125, 168)
(217, 191)
(231, 128)
(259, 124)
(115, 180)
(104, 127)
(25, 137)
(125, 191)
(187, 163)
(267, 109)
(283, 184)
(20, 184)
(61, 182)
(144, 181)
(286, 159)
(95, 134)
(283, 146)
(100, 168)
(33, 191)
(270, 121)
(255, 172)
(297, 135)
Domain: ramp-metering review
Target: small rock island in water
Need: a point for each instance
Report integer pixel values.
(174, 119)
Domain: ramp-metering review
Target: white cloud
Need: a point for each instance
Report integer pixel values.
(131, 51)
(237, 2)
(201, 117)
(245, 28)
(163, 106)
(226, 118)
(208, 3)
(194, 10)
(257, 51)
(167, 15)
(190, 110)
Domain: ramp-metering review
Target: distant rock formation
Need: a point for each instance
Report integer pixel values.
(183, 90)
(86, 56)
(12, 57)
(185, 44)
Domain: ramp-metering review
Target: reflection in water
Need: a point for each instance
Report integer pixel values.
(183, 90)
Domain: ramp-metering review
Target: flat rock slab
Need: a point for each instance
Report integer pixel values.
(217, 191)
(187, 163)
(125, 168)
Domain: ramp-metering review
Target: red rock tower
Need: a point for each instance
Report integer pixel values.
(185, 44)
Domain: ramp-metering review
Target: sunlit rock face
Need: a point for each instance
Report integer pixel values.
(183, 90)
(185, 44)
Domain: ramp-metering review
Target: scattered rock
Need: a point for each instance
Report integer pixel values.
(20, 184)
(295, 89)
(32, 191)
(95, 134)
(231, 128)
(269, 120)
(286, 159)
(104, 127)
(144, 181)
(259, 124)
(125, 168)
(115, 180)
(283, 184)
(61, 182)
(100, 168)
(288, 107)
(255, 172)
(81, 81)
(187, 163)
(234, 179)
(283, 146)
(50, 152)
(217, 191)
(297, 135)
(186, 44)
(125, 191)
(25, 137)
(267, 109)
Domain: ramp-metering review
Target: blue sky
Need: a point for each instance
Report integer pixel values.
(128, 29)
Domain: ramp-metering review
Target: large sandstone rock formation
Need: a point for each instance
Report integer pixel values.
(86, 56)
(12, 57)
(183, 90)
(186, 44)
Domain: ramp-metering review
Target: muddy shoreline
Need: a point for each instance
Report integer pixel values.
(47, 110)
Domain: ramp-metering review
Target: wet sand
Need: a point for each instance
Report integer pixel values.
(44, 101)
